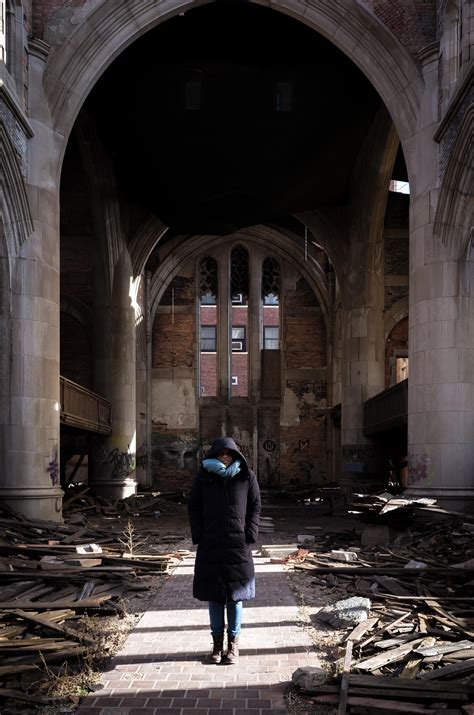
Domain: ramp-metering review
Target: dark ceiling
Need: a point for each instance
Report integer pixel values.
(233, 159)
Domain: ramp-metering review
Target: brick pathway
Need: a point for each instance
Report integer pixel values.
(161, 668)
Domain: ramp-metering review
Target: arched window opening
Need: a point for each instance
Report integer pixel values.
(208, 327)
(271, 288)
(239, 291)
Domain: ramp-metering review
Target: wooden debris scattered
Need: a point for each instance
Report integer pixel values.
(416, 651)
(51, 575)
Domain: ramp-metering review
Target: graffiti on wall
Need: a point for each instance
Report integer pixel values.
(174, 457)
(52, 465)
(420, 469)
(121, 464)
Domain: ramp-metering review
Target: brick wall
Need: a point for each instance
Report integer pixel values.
(173, 340)
(305, 340)
(240, 369)
(413, 22)
(208, 374)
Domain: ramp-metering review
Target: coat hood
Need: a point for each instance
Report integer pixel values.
(226, 443)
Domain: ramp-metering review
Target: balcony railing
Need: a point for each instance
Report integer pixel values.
(84, 409)
(387, 411)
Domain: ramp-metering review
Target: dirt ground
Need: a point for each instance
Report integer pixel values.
(70, 683)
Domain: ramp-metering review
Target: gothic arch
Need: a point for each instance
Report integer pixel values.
(144, 241)
(266, 237)
(73, 70)
(454, 215)
(397, 312)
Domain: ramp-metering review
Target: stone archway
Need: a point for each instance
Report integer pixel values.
(106, 32)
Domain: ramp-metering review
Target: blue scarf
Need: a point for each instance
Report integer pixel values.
(218, 467)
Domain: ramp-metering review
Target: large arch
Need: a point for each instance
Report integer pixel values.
(73, 69)
(265, 236)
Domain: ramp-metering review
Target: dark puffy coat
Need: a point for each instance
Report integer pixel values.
(224, 514)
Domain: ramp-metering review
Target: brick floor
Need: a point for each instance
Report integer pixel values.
(161, 667)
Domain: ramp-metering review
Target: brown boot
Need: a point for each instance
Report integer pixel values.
(232, 654)
(217, 649)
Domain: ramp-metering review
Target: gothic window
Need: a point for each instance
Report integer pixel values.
(208, 292)
(270, 282)
(239, 275)
(271, 337)
(271, 289)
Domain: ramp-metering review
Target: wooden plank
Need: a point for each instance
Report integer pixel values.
(453, 669)
(48, 605)
(393, 706)
(344, 691)
(392, 656)
(362, 628)
(64, 630)
(385, 681)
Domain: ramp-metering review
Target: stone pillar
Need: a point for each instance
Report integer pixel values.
(441, 337)
(143, 374)
(29, 482)
(362, 378)
(113, 464)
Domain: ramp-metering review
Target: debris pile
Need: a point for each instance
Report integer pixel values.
(413, 650)
(57, 580)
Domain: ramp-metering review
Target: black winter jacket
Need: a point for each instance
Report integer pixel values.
(224, 515)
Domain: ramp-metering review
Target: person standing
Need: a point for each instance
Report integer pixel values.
(224, 514)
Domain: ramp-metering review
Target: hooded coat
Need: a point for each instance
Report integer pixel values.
(224, 514)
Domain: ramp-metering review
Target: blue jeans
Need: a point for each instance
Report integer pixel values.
(234, 617)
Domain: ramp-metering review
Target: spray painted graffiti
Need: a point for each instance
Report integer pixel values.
(52, 466)
(142, 457)
(123, 463)
(420, 469)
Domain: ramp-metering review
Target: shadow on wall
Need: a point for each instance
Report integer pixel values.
(174, 459)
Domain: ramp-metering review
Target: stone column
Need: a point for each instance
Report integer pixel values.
(30, 477)
(113, 464)
(362, 378)
(441, 337)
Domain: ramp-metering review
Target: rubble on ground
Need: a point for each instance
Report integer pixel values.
(414, 650)
(59, 581)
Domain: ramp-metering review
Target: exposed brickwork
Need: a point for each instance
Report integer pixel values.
(271, 316)
(208, 315)
(239, 368)
(173, 340)
(396, 256)
(208, 374)
(180, 292)
(301, 297)
(43, 10)
(305, 340)
(413, 22)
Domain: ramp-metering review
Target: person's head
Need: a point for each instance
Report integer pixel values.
(226, 457)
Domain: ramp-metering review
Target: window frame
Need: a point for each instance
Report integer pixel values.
(202, 338)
